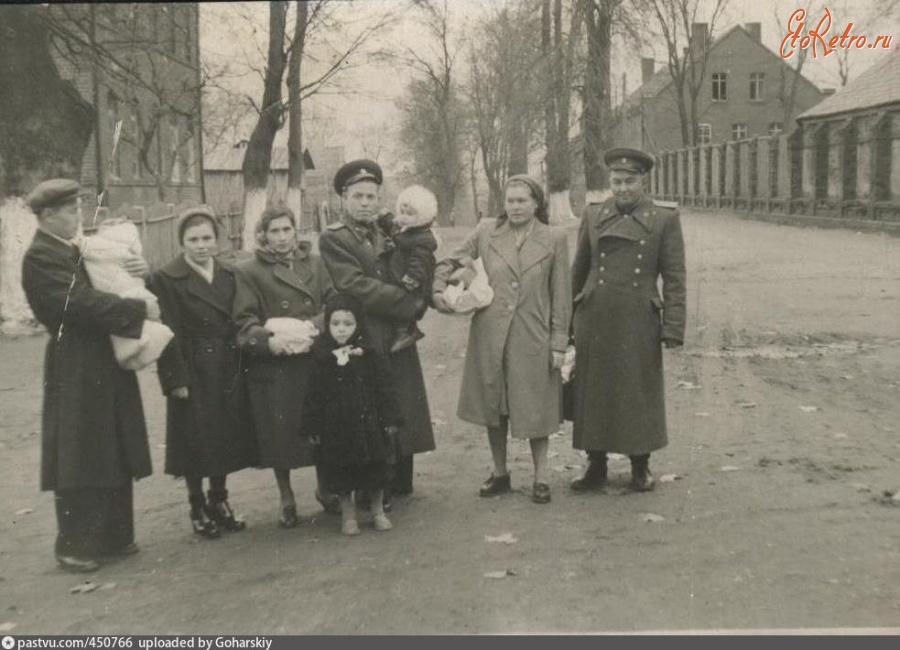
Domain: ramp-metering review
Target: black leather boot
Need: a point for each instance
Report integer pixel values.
(641, 478)
(220, 512)
(595, 475)
(201, 522)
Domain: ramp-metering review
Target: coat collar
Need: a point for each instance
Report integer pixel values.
(57, 244)
(537, 246)
(197, 286)
(298, 277)
(635, 224)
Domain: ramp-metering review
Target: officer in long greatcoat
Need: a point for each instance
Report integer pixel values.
(350, 249)
(94, 440)
(624, 246)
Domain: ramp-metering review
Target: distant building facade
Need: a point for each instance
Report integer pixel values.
(146, 75)
(744, 94)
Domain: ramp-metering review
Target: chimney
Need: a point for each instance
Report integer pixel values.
(755, 31)
(647, 65)
(699, 35)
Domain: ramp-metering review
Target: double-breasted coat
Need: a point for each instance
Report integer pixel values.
(352, 255)
(93, 430)
(620, 321)
(211, 432)
(266, 288)
(507, 369)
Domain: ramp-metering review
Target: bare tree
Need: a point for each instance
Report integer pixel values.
(316, 42)
(599, 16)
(433, 115)
(558, 49)
(687, 53)
(504, 93)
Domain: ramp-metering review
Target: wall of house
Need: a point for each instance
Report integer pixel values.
(654, 124)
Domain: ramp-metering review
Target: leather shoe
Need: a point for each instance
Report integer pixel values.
(74, 564)
(331, 505)
(540, 493)
(594, 477)
(288, 518)
(495, 485)
(129, 549)
(219, 510)
(643, 481)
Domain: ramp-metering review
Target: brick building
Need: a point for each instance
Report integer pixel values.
(147, 75)
(745, 92)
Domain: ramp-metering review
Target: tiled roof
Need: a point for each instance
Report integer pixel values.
(877, 86)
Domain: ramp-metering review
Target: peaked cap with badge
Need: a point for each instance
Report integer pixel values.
(628, 160)
(357, 171)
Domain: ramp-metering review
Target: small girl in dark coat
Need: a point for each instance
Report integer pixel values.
(352, 407)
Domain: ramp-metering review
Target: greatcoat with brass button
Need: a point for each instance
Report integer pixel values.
(620, 321)
(267, 288)
(211, 432)
(507, 367)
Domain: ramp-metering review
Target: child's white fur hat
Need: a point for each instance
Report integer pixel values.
(423, 203)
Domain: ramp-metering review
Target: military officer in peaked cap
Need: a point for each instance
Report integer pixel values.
(351, 250)
(94, 440)
(621, 322)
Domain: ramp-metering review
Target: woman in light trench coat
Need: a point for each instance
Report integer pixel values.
(511, 380)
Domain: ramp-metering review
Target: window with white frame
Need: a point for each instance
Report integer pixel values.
(720, 86)
(757, 80)
(775, 128)
(704, 133)
(739, 131)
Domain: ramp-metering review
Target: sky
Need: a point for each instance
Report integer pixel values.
(235, 33)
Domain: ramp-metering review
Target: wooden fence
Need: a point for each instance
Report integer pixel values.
(845, 168)
(158, 225)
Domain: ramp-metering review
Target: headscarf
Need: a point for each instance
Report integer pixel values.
(537, 193)
(268, 216)
(342, 302)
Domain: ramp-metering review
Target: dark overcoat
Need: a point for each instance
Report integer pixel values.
(352, 256)
(350, 406)
(93, 430)
(211, 432)
(620, 321)
(507, 369)
(267, 289)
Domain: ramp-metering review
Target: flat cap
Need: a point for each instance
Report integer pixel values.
(628, 160)
(52, 193)
(357, 171)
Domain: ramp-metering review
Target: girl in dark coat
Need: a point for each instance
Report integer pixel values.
(352, 408)
(208, 430)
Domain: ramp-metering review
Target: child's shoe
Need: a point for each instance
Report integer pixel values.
(381, 522)
(350, 527)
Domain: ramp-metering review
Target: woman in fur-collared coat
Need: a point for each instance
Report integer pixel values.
(284, 280)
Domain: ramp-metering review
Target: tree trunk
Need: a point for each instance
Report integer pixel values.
(45, 127)
(258, 157)
(596, 115)
(294, 198)
(556, 114)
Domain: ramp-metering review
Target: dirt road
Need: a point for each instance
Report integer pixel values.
(784, 414)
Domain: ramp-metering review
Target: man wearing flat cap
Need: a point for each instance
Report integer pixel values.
(625, 245)
(94, 440)
(351, 250)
